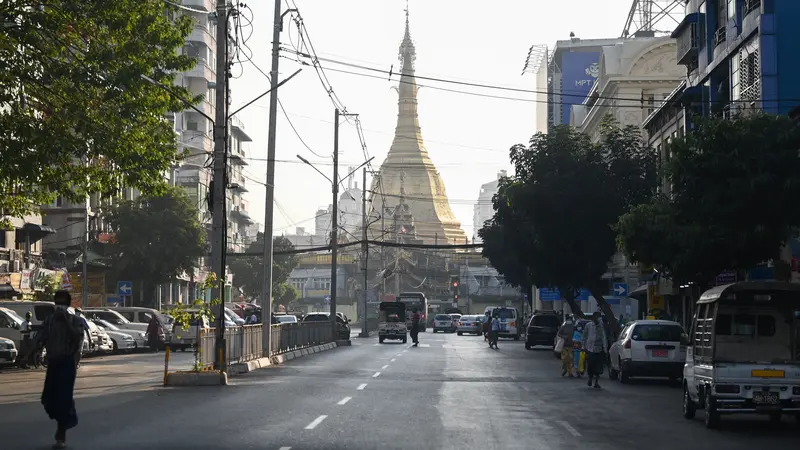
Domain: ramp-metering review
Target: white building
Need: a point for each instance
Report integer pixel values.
(636, 75)
(303, 239)
(483, 210)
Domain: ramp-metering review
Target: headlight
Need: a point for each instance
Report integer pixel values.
(128, 338)
(142, 335)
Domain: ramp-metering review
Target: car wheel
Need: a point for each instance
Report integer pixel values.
(557, 355)
(624, 377)
(612, 374)
(460, 333)
(405, 340)
(114, 347)
(712, 415)
(516, 338)
(689, 407)
(380, 340)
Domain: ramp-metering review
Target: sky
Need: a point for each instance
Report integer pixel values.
(467, 136)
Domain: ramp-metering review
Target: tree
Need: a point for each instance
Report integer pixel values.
(157, 237)
(77, 115)
(552, 222)
(248, 271)
(732, 183)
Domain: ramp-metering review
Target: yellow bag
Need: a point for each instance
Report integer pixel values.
(582, 363)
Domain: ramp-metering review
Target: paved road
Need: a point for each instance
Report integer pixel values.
(450, 393)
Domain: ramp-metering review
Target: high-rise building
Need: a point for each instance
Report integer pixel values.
(408, 174)
(483, 209)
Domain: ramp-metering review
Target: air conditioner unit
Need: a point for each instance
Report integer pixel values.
(4, 266)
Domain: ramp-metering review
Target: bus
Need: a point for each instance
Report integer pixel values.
(416, 300)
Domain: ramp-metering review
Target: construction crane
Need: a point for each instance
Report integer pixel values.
(653, 17)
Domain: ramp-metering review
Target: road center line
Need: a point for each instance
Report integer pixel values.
(569, 428)
(344, 400)
(316, 422)
(285, 448)
(376, 375)
(361, 386)
(384, 367)
(393, 360)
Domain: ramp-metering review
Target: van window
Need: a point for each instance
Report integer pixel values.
(127, 314)
(751, 325)
(504, 313)
(546, 321)
(657, 332)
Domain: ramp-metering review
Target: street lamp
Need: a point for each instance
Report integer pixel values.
(334, 219)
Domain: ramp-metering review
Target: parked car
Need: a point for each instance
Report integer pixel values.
(542, 329)
(114, 317)
(185, 338)
(648, 348)
(8, 351)
(121, 340)
(342, 328)
(469, 324)
(443, 322)
(285, 318)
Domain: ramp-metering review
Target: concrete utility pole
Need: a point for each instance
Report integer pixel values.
(218, 225)
(364, 247)
(85, 255)
(335, 219)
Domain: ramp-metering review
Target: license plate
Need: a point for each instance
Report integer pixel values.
(768, 373)
(659, 353)
(766, 398)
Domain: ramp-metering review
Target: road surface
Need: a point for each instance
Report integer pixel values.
(450, 393)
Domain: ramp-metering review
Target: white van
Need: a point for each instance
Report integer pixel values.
(743, 356)
(39, 310)
(138, 314)
(11, 326)
(114, 318)
(510, 322)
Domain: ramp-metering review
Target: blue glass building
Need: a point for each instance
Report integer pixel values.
(740, 54)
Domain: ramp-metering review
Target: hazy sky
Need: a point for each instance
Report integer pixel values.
(467, 136)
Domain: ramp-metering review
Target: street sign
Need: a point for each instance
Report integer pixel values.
(327, 299)
(115, 300)
(549, 295)
(727, 277)
(124, 287)
(620, 289)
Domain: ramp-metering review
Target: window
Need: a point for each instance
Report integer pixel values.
(657, 332)
(546, 321)
(731, 9)
(748, 325)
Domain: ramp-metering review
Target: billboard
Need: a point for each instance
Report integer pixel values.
(579, 71)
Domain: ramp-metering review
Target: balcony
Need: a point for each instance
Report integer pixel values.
(750, 6)
(197, 140)
(688, 38)
(201, 70)
(240, 214)
(720, 36)
(201, 33)
(206, 5)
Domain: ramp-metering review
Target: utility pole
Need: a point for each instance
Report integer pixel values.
(335, 219)
(218, 226)
(364, 247)
(397, 259)
(85, 251)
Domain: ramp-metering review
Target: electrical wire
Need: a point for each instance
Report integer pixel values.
(186, 8)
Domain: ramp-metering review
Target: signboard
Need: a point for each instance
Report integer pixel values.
(549, 295)
(124, 287)
(727, 277)
(579, 72)
(620, 289)
(26, 283)
(327, 299)
(66, 281)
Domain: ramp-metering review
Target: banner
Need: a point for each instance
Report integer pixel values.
(579, 72)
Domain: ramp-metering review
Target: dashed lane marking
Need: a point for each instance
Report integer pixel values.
(285, 448)
(316, 422)
(569, 428)
(361, 386)
(393, 360)
(376, 375)
(344, 401)
(384, 367)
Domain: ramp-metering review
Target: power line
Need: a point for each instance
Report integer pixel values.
(360, 242)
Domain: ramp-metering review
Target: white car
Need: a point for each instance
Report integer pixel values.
(8, 351)
(648, 348)
(122, 340)
(443, 322)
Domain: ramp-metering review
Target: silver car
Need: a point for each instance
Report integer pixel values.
(469, 324)
(443, 322)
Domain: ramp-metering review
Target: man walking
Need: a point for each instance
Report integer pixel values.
(594, 344)
(62, 335)
(493, 335)
(415, 327)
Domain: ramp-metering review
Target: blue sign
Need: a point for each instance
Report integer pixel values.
(726, 277)
(327, 299)
(124, 288)
(620, 289)
(549, 295)
(579, 72)
(115, 300)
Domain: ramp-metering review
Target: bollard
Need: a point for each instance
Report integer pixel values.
(166, 363)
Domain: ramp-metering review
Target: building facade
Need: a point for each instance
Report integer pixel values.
(483, 209)
(635, 76)
(740, 55)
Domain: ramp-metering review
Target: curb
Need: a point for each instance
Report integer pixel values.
(208, 378)
(249, 366)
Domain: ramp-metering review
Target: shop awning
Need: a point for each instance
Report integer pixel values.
(34, 231)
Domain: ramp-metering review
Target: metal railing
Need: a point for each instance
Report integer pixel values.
(244, 343)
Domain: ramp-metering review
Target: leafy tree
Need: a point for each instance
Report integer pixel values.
(552, 222)
(733, 182)
(248, 271)
(157, 237)
(72, 90)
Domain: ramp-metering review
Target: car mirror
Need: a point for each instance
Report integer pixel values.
(15, 325)
(685, 339)
(349, 320)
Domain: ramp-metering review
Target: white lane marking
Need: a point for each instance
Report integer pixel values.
(375, 345)
(569, 428)
(393, 360)
(316, 422)
(376, 375)
(285, 448)
(344, 400)
(361, 386)
(384, 367)
(399, 354)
